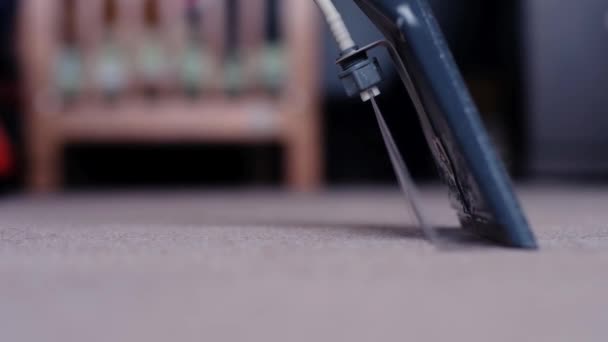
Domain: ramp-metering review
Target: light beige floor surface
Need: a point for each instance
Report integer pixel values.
(263, 266)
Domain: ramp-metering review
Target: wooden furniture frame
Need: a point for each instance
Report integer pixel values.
(291, 118)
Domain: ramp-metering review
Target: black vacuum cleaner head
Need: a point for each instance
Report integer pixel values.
(478, 183)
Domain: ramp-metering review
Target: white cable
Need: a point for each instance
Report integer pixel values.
(336, 24)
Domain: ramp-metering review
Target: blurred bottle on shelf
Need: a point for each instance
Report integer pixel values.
(272, 68)
(153, 63)
(69, 62)
(233, 74)
(111, 70)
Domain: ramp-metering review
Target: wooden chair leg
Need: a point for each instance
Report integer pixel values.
(44, 163)
(303, 159)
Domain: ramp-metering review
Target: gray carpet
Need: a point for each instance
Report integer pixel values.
(262, 266)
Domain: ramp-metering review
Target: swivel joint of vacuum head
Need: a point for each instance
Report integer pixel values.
(360, 74)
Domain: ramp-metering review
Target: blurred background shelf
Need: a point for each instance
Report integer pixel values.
(160, 71)
(531, 84)
(173, 120)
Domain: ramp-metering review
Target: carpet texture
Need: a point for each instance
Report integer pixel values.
(263, 266)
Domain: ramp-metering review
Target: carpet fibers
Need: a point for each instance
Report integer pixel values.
(264, 266)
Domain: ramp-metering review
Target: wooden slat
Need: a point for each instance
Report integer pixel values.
(38, 47)
(300, 28)
(90, 23)
(90, 34)
(214, 33)
(172, 25)
(129, 32)
(247, 120)
(251, 40)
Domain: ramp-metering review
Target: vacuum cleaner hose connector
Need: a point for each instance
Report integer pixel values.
(336, 25)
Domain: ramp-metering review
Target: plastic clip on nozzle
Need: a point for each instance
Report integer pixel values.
(360, 73)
